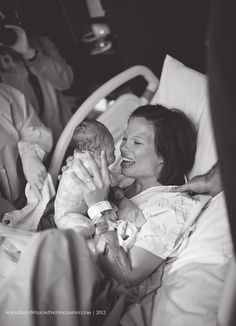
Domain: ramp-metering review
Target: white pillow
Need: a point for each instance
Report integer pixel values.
(186, 89)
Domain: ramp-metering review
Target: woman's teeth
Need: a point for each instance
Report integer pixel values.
(127, 161)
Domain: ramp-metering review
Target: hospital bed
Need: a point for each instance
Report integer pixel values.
(115, 118)
(193, 282)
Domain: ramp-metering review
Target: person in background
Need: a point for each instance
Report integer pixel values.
(34, 66)
(25, 141)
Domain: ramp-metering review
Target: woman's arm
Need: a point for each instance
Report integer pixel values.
(143, 263)
(130, 268)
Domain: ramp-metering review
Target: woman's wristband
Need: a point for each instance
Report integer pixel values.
(95, 211)
(103, 216)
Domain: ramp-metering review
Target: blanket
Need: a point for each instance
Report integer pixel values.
(28, 217)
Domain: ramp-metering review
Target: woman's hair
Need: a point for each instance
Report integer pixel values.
(175, 141)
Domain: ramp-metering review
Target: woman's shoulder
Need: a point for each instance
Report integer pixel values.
(156, 194)
(169, 217)
(166, 192)
(158, 199)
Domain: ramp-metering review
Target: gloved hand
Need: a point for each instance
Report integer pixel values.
(35, 173)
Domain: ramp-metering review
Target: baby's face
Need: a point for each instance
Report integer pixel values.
(109, 149)
(110, 152)
(95, 140)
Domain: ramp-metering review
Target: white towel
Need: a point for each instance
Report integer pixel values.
(28, 217)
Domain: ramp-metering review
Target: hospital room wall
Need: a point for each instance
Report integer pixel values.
(63, 21)
(147, 30)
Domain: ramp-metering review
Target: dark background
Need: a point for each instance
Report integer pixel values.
(143, 33)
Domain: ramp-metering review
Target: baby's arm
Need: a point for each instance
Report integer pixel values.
(129, 269)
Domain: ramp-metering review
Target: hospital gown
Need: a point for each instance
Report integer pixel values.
(67, 275)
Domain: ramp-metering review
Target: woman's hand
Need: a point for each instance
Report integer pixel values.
(95, 184)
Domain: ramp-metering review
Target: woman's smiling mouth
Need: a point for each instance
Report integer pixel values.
(126, 162)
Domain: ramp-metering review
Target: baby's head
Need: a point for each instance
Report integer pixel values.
(93, 136)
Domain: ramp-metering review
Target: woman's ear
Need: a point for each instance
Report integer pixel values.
(161, 161)
(160, 167)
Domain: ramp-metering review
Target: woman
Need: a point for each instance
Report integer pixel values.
(157, 150)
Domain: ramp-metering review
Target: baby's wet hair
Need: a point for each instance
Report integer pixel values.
(92, 136)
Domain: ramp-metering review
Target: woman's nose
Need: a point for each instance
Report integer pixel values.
(124, 146)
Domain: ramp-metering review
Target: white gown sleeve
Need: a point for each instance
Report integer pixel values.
(34, 137)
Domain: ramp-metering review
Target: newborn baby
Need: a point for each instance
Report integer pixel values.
(70, 206)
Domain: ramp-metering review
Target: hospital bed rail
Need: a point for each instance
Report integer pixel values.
(89, 104)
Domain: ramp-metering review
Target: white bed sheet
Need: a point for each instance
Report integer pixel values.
(193, 283)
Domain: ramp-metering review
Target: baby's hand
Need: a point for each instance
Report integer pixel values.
(116, 194)
(69, 161)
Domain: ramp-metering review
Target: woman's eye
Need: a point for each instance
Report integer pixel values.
(124, 138)
(137, 143)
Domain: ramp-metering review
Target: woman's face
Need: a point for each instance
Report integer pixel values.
(139, 157)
